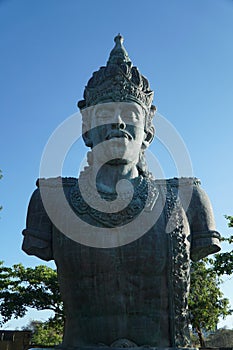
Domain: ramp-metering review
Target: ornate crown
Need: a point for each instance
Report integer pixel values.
(119, 81)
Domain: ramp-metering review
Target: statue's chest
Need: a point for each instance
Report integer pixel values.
(144, 256)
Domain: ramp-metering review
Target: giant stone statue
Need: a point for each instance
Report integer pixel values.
(130, 288)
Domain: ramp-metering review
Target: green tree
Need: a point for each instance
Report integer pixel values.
(223, 263)
(22, 287)
(230, 221)
(221, 338)
(47, 333)
(4, 277)
(206, 301)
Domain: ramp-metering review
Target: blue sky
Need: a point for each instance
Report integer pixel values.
(49, 50)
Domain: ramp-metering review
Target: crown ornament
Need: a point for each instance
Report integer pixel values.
(119, 81)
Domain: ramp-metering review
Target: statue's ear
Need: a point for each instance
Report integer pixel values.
(149, 136)
(86, 128)
(87, 138)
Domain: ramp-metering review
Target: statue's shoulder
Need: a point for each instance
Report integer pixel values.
(48, 188)
(54, 182)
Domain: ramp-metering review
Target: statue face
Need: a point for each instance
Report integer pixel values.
(116, 131)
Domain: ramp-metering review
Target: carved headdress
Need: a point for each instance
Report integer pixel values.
(119, 81)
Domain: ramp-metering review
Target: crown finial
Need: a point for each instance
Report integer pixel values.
(118, 54)
(119, 39)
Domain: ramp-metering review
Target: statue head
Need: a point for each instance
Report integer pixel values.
(118, 104)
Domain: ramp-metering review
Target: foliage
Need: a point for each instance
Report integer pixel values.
(194, 340)
(47, 333)
(221, 338)
(206, 302)
(223, 263)
(22, 287)
(4, 277)
(230, 219)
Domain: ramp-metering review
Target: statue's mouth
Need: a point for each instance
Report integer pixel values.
(119, 134)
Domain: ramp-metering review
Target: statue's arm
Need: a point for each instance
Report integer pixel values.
(204, 237)
(38, 233)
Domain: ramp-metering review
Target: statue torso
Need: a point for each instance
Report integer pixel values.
(120, 292)
(136, 290)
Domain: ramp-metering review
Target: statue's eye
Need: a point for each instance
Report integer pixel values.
(128, 115)
(131, 116)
